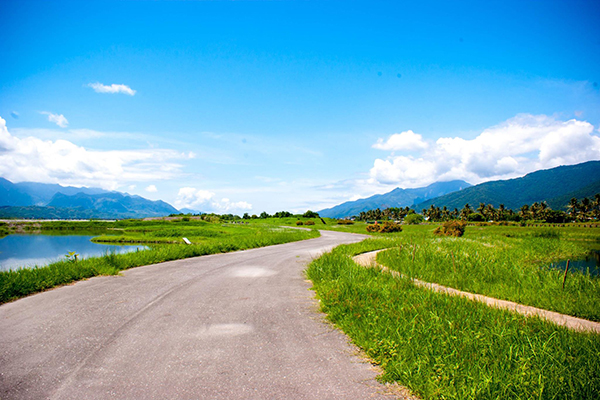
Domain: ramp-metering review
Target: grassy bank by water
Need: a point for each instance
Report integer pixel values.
(22, 282)
(444, 347)
(505, 263)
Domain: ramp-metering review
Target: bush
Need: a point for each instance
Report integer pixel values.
(373, 228)
(475, 217)
(299, 223)
(310, 214)
(386, 227)
(451, 228)
(413, 219)
(309, 222)
(345, 222)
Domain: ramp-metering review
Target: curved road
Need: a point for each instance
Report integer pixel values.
(229, 326)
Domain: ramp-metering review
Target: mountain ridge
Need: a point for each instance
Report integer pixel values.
(396, 198)
(41, 200)
(554, 186)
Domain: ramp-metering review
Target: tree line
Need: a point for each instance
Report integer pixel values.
(584, 210)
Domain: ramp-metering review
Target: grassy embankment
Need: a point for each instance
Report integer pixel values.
(449, 347)
(207, 238)
(509, 263)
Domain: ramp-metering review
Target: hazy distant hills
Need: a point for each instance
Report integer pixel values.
(396, 198)
(40, 200)
(36, 194)
(556, 186)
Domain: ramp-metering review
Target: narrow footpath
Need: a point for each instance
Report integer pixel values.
(578, 324)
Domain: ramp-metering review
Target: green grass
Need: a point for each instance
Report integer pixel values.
(505, 263)
(22, 282)
(444, 347)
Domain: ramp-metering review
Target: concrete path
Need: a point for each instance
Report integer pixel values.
(578, 324)
(230, 326)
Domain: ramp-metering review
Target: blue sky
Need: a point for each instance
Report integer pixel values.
(251, 106)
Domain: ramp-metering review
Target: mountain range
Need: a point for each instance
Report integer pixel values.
(396, 198)
(41, 200)
(555, 186)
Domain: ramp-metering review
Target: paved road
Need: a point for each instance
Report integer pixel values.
(230, 326)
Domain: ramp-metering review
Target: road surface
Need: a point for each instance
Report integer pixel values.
(241, 325)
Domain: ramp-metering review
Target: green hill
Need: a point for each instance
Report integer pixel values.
(555, 186)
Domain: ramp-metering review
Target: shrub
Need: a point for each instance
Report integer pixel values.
(389, 226)
(451, 228)
(476, 217)
(309, 222)
(386, 227)
(310, 214)
(413, 219)
(345, 222)
(373, 228)
(299, 223)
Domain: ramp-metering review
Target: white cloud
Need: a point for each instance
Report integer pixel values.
(58, 119)
(114, 88)
(514, 148)
(60, 161)
(407, 140)
(151, 189)
(203, 200)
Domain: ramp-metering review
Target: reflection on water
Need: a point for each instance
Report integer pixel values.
(591, 263)
(17, 251)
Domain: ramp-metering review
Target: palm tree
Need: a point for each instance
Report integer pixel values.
(524, 211)
(464, 213)
(573, 207)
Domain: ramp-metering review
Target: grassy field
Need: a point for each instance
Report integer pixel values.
(508, 263)
(444, 347)
(207, 238)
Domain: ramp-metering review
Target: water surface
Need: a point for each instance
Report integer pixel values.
(18, 251)
(590, 263)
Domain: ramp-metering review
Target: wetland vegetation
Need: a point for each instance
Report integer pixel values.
(444, 347)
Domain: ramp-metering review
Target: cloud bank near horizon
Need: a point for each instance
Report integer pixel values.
(204, 201)
(516, 147)
(63, 162)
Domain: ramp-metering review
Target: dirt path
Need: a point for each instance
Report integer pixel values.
(578, 324)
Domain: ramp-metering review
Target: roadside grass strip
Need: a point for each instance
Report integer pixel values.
(578, 324)
(448, 347)
(19, 283)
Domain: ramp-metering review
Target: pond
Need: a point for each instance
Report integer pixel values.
(590, 263)
(18, 251)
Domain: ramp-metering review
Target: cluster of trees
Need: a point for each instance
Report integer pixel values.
(584, 210)
(281, 214)
(391, 213)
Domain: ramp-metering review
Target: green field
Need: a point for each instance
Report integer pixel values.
(508, 263)
(444, 347)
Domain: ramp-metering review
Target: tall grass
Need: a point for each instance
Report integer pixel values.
(510, 268)
(22, 282)
(444, 347)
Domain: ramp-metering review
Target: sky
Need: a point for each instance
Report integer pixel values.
(251, 106)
